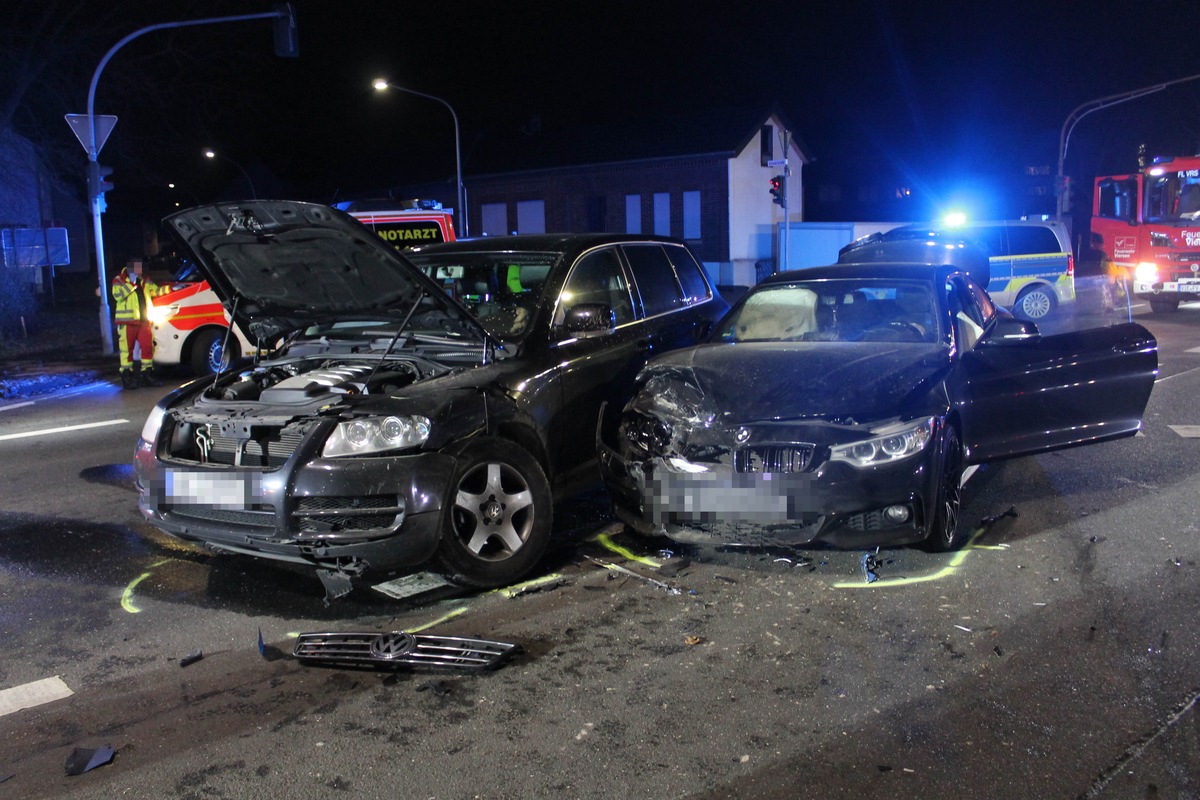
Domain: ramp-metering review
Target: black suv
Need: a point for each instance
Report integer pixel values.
(406, 408)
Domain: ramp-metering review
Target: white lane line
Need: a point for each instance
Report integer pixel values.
(1193, 350)
(1176, 375)
(64, 429)
(1186, 431)
(16, 405)
(33, 694)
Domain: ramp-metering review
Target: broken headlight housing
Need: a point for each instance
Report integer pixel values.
(369, 435)
(892, 443)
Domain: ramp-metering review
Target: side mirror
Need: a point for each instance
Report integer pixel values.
(590, 319)
(1012, 331)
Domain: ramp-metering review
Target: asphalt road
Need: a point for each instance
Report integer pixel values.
(1055, 657)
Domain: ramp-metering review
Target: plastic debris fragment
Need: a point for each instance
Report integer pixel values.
(192, 658)
(83, 759)
(870, 567)
(1011, 512)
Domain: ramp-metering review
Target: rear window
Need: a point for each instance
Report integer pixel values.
(695, 288)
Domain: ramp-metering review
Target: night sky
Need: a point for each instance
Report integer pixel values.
(935, 95)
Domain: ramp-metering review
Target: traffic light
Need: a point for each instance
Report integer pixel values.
(777, 189)
(98, 182)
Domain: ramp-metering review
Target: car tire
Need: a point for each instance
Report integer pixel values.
(1035, 303)
(945, 529)
(1160, 306)
(498, 518)
(207, 356)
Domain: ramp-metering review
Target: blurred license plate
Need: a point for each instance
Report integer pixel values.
(212, 490)
(1189, 287)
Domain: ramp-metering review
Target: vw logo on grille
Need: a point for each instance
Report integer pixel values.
(1195, 267)
(392, 645)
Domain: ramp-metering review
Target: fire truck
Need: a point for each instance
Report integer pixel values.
(1147, 225)
(191, 326)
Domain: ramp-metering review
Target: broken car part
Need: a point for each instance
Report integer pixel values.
(402, 649)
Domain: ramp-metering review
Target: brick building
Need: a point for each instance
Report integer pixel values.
(704, 179)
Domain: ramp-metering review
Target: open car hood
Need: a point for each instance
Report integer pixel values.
(282, 265)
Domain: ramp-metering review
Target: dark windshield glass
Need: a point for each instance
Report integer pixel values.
(1173, 196)
(502, 289)
(836, 311)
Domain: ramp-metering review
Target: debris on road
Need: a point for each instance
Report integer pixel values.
(84, 759)
(401, 649)
(192, 658)
(870, 567)
(439, 688)
(674, 565)
(692, 640)
(608, 565)
(1011, 512)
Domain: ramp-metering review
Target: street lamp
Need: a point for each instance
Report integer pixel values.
(213, 154)
(381, 85)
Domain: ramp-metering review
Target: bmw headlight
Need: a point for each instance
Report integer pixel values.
(367, 435)
(893, 444)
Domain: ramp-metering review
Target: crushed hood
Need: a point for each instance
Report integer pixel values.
(283, 265)
(756, 381)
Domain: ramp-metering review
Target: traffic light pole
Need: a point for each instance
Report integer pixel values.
(285, 45)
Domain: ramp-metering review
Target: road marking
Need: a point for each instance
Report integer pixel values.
(1176, 375)
(33, 694)
(1193, 350)
(1186, 431)
(64, 429)
(16, 405)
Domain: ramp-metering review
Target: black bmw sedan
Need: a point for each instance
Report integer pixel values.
(842, 404)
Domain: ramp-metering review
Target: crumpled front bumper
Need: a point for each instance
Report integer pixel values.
(836, 503)
(299, 512)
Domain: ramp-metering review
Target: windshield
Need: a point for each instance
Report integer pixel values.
(502, 289)
(1173, 196)
(835, 311)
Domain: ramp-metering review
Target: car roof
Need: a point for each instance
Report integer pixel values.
(930, 273)
(547, 242)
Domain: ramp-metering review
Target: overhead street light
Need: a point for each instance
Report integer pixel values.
(1064, 137)
(382, 85)
(210, 153)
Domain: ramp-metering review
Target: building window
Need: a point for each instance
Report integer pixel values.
(662, 213)
(531, 216)
(633, 213)
(766, 145)
(494, 219)
(691, 215)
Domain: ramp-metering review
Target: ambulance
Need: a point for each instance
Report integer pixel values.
(191, 327)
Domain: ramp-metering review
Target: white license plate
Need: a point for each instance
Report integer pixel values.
(211, 490)
(1189, 287)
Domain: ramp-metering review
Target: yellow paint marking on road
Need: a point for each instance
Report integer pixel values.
(944, 572)
(127, 595)
(518, 589)
(458, 612)
(606, 542)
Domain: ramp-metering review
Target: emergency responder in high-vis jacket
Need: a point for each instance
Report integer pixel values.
(131, 292)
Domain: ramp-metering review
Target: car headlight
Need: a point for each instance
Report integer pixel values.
(153, 424)
(160, 314)
(1146, 272)
(367, 435)
(890, 445)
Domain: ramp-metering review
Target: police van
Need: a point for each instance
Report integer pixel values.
(191, 327)
(1032, 266)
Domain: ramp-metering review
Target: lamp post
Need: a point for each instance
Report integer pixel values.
(213, 154)
(381, 85)
(1064, 137)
